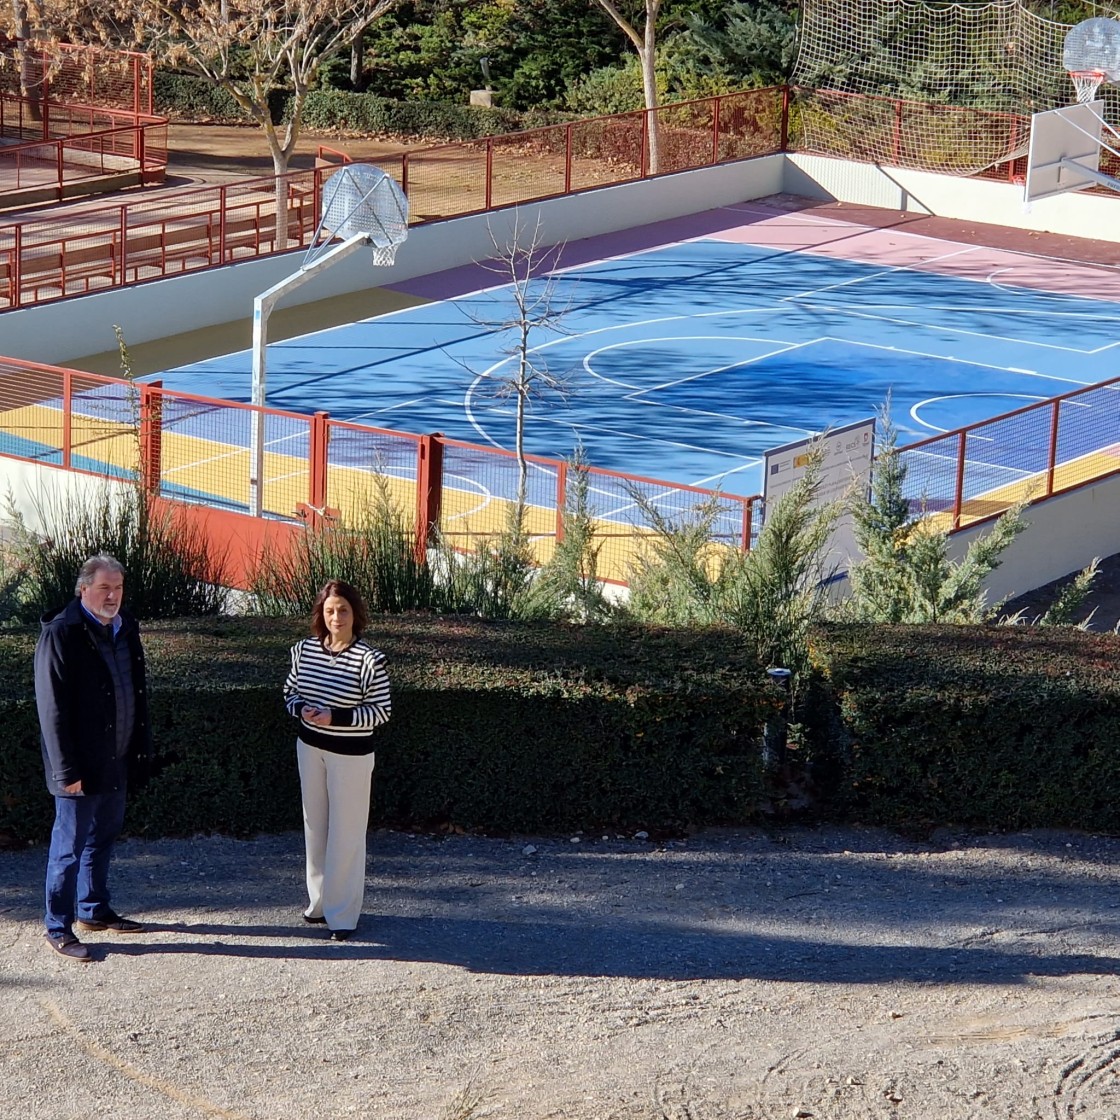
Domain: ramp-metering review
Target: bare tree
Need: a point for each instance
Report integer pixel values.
(524, 262)
(645, 42)
(250, 49)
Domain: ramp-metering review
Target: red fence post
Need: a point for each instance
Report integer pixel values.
(748, 514)
(715, 130)
(785, 118)
(561, 497)
(429, 489)
(568, 158)
(151, 435)
(318, 442)
(958, 489)
(489, 173)
(67, 415)
(17, 268)
(1052, 453)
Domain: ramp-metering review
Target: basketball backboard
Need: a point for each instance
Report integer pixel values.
(1065, 150)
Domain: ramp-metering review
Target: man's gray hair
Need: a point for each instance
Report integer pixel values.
(102, 562)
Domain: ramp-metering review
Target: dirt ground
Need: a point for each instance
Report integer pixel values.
(836, 974)
(207, 153)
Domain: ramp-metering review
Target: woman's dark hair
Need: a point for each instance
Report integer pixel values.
(345, 591)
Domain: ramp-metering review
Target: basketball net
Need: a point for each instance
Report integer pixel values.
(384, 255)
(1086, 83)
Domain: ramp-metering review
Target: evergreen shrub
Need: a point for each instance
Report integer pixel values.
(187, 97)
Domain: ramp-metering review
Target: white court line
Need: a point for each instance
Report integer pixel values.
(857, 314)
(962, 396)
(777, 347)
(639, 438)
(874, 275)
(820, 219)
(483, 491)
(978, 463)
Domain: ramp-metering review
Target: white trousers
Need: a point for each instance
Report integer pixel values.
(336, 790)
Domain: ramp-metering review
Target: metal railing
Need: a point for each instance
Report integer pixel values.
(981, 470)
(51, 257)
(195, 449)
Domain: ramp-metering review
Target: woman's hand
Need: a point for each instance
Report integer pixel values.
(317, 717)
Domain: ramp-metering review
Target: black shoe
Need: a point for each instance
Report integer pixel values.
(314, 921)
(341, 934)
(67, 945)
(114, 923)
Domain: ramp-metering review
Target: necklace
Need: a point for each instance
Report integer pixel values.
(335, 654)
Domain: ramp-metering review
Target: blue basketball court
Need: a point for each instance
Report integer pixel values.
(686, 361)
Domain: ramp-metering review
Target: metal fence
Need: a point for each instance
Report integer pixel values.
(54, 256)
(196, 449)
(979, 471)
(54, 74)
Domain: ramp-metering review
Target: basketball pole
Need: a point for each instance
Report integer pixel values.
(262, 309)
(1098, 177)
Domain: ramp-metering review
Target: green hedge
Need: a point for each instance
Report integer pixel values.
(496, 727)
(185, 97)
(188, 98)
(985, 727)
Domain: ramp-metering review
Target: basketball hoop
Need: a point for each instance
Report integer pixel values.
(362, 199)
(1091, 55)
(1086, 83)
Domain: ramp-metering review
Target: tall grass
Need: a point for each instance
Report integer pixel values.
(172, 568)
(376, 551)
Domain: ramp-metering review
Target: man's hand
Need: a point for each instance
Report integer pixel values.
(73, 787)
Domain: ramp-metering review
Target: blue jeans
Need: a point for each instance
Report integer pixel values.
(85, 829)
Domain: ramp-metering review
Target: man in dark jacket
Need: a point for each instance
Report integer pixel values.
(92, 696)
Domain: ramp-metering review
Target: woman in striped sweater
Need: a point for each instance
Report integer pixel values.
(338, 690)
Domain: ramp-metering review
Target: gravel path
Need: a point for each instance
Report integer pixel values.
(811, 973)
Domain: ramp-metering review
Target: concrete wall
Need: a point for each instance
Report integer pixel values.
(1064, 534)
(57, 333)
(973, 200)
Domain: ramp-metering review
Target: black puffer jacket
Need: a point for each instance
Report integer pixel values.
(77, 704)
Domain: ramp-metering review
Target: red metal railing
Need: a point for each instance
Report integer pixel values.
(979, 471)
(52, 165)
(53, 256)
(450, 180)
(195, 449)
(70, 73)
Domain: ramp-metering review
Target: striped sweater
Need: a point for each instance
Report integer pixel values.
(353, 684)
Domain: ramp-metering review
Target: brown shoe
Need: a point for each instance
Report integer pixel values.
(67, 945)
(114, 923)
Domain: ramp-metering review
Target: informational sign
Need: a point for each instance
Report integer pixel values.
(846, 456)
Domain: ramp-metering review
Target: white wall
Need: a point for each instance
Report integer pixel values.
(59, 332)
(973, 200)
(1065, 532)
